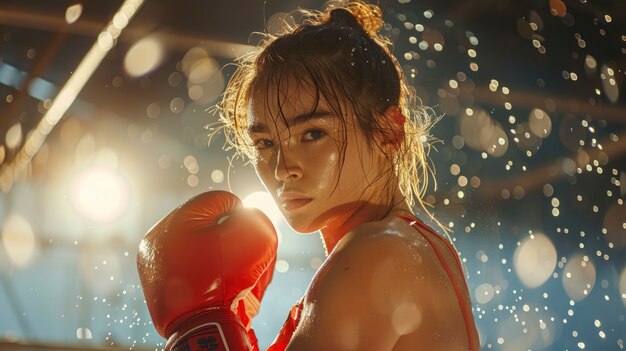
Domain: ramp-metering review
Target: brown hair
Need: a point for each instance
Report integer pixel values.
(341, 54)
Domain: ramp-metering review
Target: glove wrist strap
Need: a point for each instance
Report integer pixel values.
(214, 328)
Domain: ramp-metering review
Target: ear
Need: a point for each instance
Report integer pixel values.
(392, 132)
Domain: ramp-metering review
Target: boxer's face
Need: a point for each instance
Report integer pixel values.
(304, 157)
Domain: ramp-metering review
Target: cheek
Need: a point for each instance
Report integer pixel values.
(327, 165)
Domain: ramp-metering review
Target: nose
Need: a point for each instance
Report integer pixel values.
(287, 166)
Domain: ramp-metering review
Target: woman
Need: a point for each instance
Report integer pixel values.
(325, 117)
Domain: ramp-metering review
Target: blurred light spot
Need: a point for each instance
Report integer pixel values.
(315, 263)
(458, 142)
(462, 181)
(455, 169)
(174, 79)
(590, 64)
(536, 20)
(120, 20)
(105, 41)
(264, 202)
(144, 56)
(192, 180)
(18, 240)
(2, 154)
(13, 136)
(99, 193)
(534, 260)
(191, 164)
(153, 110)
(117, 81)
(579, 277)
(217, 176)
(475, 182)
(482, 133)
(202, 69)
(558, 8)
(518, 192)
(484, 293)
(540, 123)
(73, 12)
(191, 57)
(83, 333)
(406, 318)
(473, 40)
(195, 92)
(282, 266)
(505, 194)
(177, 105)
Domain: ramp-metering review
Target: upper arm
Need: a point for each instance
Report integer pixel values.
(364, 297)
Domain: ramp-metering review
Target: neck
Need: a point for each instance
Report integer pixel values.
(360, 213)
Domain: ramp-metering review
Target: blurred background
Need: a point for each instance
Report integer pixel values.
(103, 108)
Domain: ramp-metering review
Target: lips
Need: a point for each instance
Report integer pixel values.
(291, 200)
(290, 205)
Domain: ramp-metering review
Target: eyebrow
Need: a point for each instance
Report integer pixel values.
(259, 127)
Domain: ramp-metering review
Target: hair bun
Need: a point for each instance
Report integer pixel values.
(369, 16)
(343, 17)
(356, 13)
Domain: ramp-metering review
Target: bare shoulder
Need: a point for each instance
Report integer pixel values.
(376, 290)
(387, 250)
(366, 294)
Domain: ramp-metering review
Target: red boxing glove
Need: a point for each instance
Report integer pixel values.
(249, 305)
(198, 263)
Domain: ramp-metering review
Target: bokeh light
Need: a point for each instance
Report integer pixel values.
(99, 193)
(534, 260)
(13, 137)
(144, 56)
(264, 202)
(19, 240)
(73, 12)
(579, 277)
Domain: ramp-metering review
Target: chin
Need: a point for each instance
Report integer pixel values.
(299, 226)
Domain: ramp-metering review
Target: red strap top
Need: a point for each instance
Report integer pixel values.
(289, 327)
(465, 310)
(285, 334)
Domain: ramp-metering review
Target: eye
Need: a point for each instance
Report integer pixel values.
(261, 144)
(315, 134)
